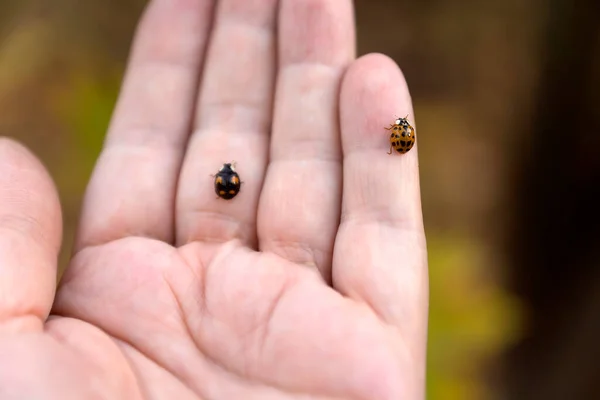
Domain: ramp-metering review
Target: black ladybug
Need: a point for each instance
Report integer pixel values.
(227, 182)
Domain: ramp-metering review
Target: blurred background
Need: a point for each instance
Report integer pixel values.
(507, 104)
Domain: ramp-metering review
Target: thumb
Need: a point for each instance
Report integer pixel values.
(30, 239)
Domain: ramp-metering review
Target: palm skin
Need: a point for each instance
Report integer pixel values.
(310, 284)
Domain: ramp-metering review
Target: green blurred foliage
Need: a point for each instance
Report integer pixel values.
(85, 107)
(471, 317)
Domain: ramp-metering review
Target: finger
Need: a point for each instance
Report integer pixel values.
(30, 238)
(142, 155)
(380, 254)
(234, 110)
(300, 203)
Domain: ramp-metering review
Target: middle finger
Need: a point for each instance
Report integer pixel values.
(232, 124)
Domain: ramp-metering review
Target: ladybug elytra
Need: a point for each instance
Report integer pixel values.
(227, 182)
(402, 138)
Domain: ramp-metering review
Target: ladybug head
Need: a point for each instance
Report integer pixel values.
(228, 166)
(402, 121)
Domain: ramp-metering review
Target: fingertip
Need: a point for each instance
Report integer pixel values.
(317, 31)
(378, 69)
(28, 188)
(374, 92)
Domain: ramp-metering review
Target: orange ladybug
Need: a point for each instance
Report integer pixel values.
(402, 138)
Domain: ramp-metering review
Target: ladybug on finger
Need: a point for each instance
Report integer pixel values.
(227, 182)
(402, 138)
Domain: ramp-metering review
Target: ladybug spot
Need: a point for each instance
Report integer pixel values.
(403, 134)
(403, 143)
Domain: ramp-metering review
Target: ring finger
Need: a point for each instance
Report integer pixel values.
(300, 204)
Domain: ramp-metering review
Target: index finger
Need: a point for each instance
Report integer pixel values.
(148, 133)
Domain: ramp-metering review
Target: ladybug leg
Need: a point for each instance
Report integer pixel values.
(390, 152)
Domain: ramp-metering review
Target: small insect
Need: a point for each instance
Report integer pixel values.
(227, 182)
(402, 138)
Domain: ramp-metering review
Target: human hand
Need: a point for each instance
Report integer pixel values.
(311, 283)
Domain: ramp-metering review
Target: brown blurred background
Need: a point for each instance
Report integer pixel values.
(507, 103)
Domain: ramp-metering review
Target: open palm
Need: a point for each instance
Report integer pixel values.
(310, 283)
